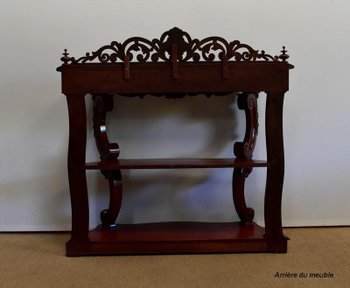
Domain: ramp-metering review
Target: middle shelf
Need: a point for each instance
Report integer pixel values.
(174, 163)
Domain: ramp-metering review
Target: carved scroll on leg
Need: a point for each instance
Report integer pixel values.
(108, 151)
(108, 216)
(248, 103)
(246, 214)
(244, 150)
(101, 105)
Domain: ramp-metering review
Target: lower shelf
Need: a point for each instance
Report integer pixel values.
(174, 238)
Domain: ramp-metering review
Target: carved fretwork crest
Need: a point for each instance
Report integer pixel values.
(138, 49)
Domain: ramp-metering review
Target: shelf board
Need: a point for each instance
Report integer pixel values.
(174, 163)
(173, 238)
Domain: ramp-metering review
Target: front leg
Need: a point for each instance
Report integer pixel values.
(77, 173)
(275, 172)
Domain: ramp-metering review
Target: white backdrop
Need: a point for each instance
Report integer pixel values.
(34, 127)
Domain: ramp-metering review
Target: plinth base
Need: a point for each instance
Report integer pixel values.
(176, 238)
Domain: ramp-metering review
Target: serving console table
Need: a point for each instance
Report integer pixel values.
(175, 65)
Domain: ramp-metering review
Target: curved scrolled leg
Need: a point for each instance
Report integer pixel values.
(248, 103)
(102, 104)
(244, 150)
(109, 216)
(246, 214)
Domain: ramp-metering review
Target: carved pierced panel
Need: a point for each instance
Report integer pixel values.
(176, 44)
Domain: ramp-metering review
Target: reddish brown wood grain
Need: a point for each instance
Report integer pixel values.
(175, 65)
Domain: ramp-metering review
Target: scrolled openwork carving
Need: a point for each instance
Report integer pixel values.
(138, 49)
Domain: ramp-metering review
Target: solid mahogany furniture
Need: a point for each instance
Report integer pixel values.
(175, 65)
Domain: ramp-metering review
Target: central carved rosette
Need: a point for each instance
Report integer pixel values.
(176, 38)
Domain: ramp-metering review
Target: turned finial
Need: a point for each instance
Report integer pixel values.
(284, 56)
(65, 59)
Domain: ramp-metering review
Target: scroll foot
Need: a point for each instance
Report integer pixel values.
(109, 216)
(246, 214)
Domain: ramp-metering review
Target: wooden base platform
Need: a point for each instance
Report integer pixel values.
(175, 238)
